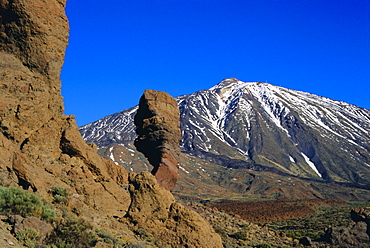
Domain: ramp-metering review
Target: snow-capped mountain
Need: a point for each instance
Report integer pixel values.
(258, 126)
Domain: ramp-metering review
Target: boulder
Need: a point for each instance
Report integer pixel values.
(20, 223)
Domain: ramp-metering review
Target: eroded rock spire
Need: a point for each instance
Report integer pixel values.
(158, 128)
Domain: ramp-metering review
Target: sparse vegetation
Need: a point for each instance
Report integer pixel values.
(108, 237)
(263, 245)
(144, 234)
(73, 233)
(314, 226)
(60, 195)
(17, 201)
(273, 210)
(28, 237)
(240, 235)
(137, 245)
(236, 232)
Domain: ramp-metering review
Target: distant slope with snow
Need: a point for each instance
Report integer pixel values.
(258, 126)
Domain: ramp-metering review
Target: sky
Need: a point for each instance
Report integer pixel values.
(119, 48)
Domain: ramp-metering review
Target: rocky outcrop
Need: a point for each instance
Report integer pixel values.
(155, 210)
(7, 240)
(39, 146)
(158, 128)
(30, 222)
(357, 234)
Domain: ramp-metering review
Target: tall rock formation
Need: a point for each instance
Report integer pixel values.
(41, 148)
(158, 128)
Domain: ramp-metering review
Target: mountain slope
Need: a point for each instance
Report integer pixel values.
(259, 126)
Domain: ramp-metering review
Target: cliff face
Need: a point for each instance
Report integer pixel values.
(41, 148)
(158, 128)
(32, 46)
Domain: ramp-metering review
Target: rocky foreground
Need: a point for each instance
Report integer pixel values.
(41, 149)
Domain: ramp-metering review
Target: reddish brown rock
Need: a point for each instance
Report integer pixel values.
(158, 128)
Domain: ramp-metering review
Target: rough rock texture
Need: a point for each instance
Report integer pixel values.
(357, 234)
(41, 148)
(7, 239)
(156, 210)
(158, 128)
(20, 223)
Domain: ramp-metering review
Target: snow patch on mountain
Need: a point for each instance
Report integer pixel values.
(117, 128)
(311, 164)
(267, 95)
(111, 154)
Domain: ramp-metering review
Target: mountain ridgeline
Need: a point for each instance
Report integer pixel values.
(262, 127)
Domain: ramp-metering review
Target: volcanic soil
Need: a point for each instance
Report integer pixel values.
(273, 210)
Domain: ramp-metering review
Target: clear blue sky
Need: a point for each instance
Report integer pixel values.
(119, 48)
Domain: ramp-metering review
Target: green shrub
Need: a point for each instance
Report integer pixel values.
(240, 235)
(220, 230)
(76, 233)
(17, 201)
(28, 237)
(60, 195)
(109, 238)
(296, 234)
(143, 233)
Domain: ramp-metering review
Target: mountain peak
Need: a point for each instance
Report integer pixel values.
(234, 83)
(226, 83)
(259, 126)
(226, 87)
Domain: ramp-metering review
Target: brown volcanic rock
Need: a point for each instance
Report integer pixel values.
(39, 146)
(20, 223)
(155, 209)
(32, 47)
(158, 128)
(361, 214)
